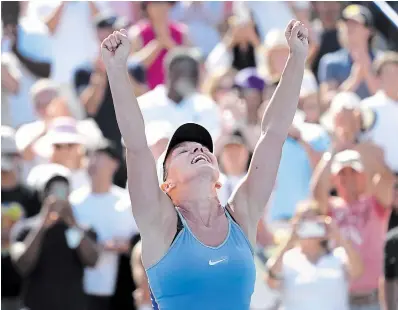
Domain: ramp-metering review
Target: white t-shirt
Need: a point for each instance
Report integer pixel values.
(75, 40)
(35, 44)
(110, 216)
(385, 131)
(308, 286)
(197, 108)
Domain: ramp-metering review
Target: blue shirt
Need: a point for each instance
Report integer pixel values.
(336, 67)
(294, 175)
(192, 275)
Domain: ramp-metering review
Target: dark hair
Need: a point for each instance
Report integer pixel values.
(58, 178)
(385, 59)
(325, 246)
(10, 11)
(144, 5)
(181, 54)
(244, 59)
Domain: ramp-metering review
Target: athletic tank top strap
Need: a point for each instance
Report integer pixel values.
(229, 215)
(180, 224)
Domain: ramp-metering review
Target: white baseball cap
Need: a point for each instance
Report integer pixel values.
(40, 175)
(8, 147)
(345, 159)
(348, 101)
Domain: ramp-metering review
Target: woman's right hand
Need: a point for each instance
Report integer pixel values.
(116, 49)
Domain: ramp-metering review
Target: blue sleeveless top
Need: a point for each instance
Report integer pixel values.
(193, 276)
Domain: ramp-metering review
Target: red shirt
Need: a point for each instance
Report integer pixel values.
(363, 222)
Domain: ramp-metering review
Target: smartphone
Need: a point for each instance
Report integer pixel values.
(242, 12)
(60, 190)
(311, 229)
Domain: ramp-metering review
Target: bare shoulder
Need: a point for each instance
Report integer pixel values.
(156, 242)
(238, 209)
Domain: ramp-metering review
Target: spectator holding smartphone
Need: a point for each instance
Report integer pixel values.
(50, 250)
(308, 273)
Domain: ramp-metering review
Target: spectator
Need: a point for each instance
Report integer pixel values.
(50, 250)
(202, 19)
(70, 24)
(158, 134)
(348, 122)
(17, 202)
(239, 48)
(178, 100)
(301, 152)
(250, 88)
(389, 288)
(276, 54)
(218, 84)
(309, 98)
(142, 294)
(30, 54)
(325, 28)
(104, 207)
(385, 104)
(154, 37)
(234, 161)
(91, 84)
(349, 69)
(43, 92)
(10, 80)
(360, 210)
(308, 273)
(65, 146)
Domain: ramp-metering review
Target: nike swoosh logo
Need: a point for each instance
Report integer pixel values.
(212, 263)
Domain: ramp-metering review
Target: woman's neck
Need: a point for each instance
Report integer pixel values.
(198, 201)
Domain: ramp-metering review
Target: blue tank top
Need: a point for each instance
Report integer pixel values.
(193, 276)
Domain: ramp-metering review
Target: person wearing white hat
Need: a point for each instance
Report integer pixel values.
(360, 209)
(63, 144)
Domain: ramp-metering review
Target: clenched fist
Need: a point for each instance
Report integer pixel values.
(115, 49)
(297, 37)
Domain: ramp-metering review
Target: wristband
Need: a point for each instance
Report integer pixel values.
(327, 156)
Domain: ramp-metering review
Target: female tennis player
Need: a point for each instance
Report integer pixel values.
(197, 253)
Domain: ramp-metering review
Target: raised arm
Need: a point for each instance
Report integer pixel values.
(252, 195)
(144, 189)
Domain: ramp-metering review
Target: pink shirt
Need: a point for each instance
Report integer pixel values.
(155, 72)
(363, 223)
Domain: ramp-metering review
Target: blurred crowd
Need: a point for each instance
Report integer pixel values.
(68, 236)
